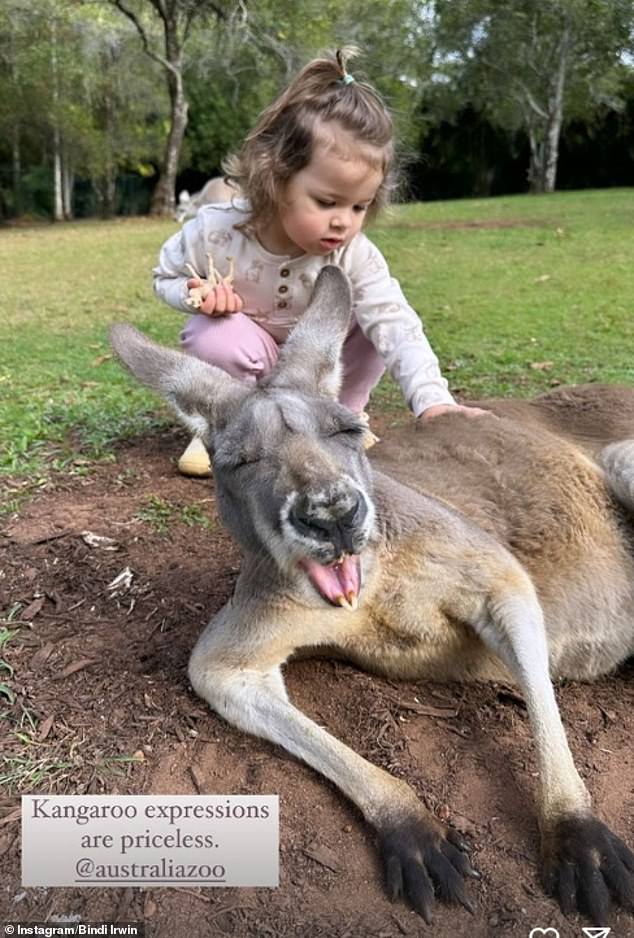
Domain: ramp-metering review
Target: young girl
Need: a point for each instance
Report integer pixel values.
(317, 165)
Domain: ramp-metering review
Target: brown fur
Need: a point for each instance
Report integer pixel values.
(492, 547)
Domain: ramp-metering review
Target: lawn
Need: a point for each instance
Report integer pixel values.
(517, 294)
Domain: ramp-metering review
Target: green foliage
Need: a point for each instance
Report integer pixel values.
(236, 69)
(503, 57)
(76, 79)
(73, 70)
(535, 65)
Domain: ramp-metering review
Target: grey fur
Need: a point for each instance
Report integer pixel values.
(497, 550)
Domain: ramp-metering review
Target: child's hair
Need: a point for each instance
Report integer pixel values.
(281, 143)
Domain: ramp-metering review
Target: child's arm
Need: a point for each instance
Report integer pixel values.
(394, 328)
(396, 332)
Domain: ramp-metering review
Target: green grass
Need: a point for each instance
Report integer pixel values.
(26, 772)
(161, 514)
(6, 670)
(501, 284)
(61, 394)
(554, 282)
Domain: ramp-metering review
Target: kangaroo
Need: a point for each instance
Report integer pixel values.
(502, 550)
(214, 190)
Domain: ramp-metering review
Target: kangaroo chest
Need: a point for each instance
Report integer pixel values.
(406, 634)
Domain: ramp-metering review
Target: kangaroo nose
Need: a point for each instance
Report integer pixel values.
(335, 523)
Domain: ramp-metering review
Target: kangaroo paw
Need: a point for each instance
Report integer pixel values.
(585, 866)
(423, 861)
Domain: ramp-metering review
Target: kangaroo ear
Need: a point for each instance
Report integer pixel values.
(309, 360)
(201, 394)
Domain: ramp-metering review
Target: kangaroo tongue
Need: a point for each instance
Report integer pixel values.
(338, 582)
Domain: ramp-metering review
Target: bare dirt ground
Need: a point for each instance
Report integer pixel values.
(104, 673)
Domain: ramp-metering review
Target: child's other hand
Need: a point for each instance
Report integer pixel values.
(220, 301)
(437, 409)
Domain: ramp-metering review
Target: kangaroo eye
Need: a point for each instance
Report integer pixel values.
(352, 433)
(235, 461)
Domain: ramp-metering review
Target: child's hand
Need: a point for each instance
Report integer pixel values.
(219, 301)
(437, 409)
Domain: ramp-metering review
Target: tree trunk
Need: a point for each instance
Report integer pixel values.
(58, 204)
(16, 164)
(109, 183)
(163, 197)
(536, 162)
(68, 181)
(555, 115)
(177, 19)
(16, 149)
(111, 193)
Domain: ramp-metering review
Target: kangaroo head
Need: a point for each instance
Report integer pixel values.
(292, 478)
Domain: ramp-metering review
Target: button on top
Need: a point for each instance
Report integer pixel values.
(284, 272)
(282, 289)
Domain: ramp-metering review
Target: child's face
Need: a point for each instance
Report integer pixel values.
(324, 204)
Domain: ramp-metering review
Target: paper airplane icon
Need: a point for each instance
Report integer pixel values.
(597, 932)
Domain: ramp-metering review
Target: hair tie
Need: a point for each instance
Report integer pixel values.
(347, 79)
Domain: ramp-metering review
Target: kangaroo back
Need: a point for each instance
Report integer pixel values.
(590, 415)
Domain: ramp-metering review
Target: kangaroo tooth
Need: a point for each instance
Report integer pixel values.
(344, 603)
(353, 602)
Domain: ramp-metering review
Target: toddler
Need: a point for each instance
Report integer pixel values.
(317, 165)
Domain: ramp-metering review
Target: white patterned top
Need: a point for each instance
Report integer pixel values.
(275, 291)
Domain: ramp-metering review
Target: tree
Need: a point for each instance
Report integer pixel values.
(175, 20)
(531, 64)
(234, 73)
(76, 104)
(12, 105)
(119, 118)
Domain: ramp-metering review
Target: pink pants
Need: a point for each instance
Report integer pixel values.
(245, 350)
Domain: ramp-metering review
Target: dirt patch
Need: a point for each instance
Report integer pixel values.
(473, 223)
(102, 669)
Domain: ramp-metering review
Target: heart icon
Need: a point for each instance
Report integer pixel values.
(541, 932)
